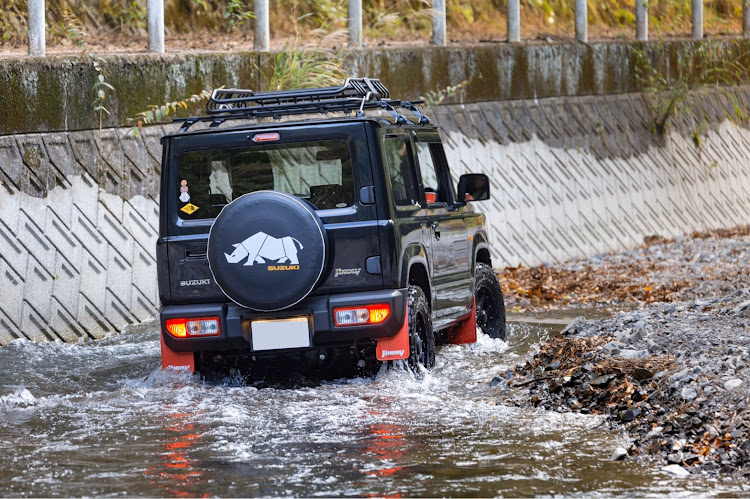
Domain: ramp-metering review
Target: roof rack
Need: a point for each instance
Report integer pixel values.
(357, 94)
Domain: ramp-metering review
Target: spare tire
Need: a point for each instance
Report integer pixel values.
(267, 250)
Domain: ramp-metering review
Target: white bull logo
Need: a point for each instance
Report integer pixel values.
(261, 247)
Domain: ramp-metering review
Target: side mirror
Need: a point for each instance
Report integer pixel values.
(473, 187)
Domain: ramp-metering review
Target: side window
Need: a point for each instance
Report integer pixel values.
(437, 185)
(401, 170)
(427, 167)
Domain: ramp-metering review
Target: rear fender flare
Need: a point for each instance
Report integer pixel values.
(416, 254)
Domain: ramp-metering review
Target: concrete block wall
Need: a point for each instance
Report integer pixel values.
(78, 223)
(575, 177)
(571, 177)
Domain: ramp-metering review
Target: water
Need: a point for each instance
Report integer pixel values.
(102, 419)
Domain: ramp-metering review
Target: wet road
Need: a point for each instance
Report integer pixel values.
(102, 419)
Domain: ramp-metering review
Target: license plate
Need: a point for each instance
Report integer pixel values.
(280, 334)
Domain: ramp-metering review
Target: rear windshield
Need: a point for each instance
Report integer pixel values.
(319, 172)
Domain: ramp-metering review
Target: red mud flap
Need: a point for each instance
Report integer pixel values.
(178, 361)
(466, 332)
(396, 347)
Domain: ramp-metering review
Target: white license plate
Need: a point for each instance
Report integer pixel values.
(280, 334)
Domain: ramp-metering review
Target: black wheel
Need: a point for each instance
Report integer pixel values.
(490, 302)
(421, 337)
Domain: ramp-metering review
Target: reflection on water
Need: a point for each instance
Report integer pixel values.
(177, 474)
(102, 419)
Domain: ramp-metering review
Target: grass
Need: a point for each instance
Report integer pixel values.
(386, 21)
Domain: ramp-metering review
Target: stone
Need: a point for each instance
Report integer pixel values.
(602, 380)
(676, 470)
(619, 454)
(732, 384)
(689, 393)
(742, 306)
(630, 415)
(642, 373)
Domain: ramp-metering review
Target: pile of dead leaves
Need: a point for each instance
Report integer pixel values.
(620, 280)
(543, 286)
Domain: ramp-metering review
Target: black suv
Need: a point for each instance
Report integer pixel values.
(318, 236)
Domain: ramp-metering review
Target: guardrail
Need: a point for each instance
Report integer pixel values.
(439, 27)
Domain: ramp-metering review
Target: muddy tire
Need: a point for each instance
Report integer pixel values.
(490, 302)
(421, 337)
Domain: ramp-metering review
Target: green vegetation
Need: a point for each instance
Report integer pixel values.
(668, 90)
(383, 19)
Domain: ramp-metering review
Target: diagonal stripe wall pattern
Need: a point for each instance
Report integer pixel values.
(571, 177)
(78, 224)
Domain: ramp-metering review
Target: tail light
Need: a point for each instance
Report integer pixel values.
(357, 316)
(194, 327)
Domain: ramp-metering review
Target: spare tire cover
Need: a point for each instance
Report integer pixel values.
(267, 250)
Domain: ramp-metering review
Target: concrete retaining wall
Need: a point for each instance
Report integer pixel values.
(56, 94)
(570, 176)
(580, 176)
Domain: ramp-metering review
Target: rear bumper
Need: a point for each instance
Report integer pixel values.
(235, 321)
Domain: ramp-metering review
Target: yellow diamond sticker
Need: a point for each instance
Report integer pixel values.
(189, 208)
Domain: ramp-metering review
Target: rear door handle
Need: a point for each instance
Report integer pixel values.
(436, 230)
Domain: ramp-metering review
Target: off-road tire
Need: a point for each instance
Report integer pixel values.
(489, 301)
(421, 336)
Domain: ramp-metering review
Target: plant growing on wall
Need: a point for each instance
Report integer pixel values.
(160, 113)
(434, 98)
(707, 64)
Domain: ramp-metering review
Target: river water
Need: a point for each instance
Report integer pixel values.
(102, 419)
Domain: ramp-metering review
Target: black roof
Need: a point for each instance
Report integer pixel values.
(356, 95)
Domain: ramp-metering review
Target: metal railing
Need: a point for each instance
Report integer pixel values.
(439, 27)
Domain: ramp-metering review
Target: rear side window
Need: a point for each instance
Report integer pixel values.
(435, 177)
(319, 172)
(401, 170)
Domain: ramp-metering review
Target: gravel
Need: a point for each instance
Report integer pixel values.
(675, 376)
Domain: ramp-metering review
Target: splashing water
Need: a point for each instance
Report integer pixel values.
(101, 418)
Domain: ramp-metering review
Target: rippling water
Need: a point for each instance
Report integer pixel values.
(101, 419)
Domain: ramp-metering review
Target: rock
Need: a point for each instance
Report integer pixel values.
(602, 380)
(641, 373)
(628, 354)
(742, 306)
(619, 454)
(689, 393)
(676, 470)
(552, 366)
(630, 415)
(732, 384)
(496, 381)
(675, 458)
(635, 337)
(654, 432)
(574, 326)
(690, 458)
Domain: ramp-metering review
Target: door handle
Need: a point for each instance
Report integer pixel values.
(436, 230)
